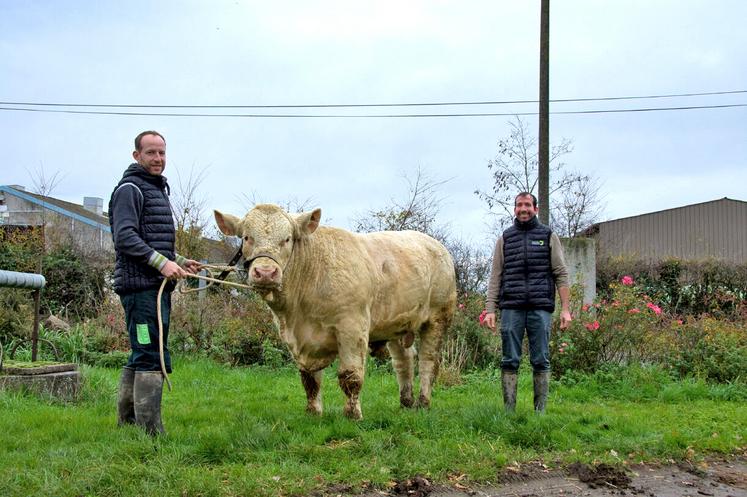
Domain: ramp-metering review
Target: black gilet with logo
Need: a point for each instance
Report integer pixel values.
(156, 229)
(527, 281)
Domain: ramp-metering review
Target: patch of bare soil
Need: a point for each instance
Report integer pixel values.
(600, 475)
(716, 478)
(415, 487)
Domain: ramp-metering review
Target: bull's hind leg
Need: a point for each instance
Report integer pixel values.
(431, 335)
(403, 360)
(312, 383)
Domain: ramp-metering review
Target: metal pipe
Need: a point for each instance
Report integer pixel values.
(15, 279)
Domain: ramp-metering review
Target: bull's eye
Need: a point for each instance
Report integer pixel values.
(246, 238)
(287, 239)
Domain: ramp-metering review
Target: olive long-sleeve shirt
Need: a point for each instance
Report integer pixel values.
(557, 262)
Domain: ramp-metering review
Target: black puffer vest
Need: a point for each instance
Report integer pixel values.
(156, 230)
(527, 281)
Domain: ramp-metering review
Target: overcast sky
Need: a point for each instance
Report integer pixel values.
(341, 52)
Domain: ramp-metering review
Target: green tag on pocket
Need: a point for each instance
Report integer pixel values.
(143, 336)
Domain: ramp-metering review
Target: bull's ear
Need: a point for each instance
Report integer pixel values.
(228, 224)
(308, 222)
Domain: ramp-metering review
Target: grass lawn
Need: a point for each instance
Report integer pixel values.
(244, 431)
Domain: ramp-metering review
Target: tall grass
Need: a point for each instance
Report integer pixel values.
(243, 431)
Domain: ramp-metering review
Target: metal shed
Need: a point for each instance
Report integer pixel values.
(715, 229)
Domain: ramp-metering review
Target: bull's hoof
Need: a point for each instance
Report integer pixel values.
(314, 410)
(406, 401)
(353, 412)
(424, 403)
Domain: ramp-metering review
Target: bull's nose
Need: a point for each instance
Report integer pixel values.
(264, 274)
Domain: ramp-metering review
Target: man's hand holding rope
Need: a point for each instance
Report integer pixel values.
(174, 271)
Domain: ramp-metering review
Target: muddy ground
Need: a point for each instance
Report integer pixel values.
(714, 478)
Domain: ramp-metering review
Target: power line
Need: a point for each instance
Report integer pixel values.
(316, 116)
(404, 104)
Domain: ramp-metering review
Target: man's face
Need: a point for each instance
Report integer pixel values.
(524, 210)
(152, 154)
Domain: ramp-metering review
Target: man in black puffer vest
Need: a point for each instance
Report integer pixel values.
(528, 265)
(143, 232)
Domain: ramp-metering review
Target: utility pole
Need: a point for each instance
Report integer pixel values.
(544, 114)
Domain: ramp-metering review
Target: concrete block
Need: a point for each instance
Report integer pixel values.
(64, 385)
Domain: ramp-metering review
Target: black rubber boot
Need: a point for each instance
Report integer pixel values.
(509, 383)
(541, 387)
(125, 403)
(147, 394)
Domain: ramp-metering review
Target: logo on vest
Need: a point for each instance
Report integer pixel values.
(537, 242)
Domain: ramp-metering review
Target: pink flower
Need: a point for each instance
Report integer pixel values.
(461, 307)
(627, 280)
(679, 321)
(564, 344)
(654, 307)
(585, 307)
(482, 316)
(634, 310)
(592, 326)
(561, 350)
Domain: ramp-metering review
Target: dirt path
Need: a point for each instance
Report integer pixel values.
(711, 479)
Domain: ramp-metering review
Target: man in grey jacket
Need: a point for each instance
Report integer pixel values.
(144, 237)
(528, 266)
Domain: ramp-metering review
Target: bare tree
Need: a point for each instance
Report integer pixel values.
(43, 185)
(471, 265)
(189, 213)
(417, 211)
(576, 207)
(515, 169)
(248, 201)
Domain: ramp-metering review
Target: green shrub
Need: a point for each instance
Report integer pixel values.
(467, 344)
(684, 287)
(232, 327)
(630, 328)
(715, 350)
(614, 331)
(115, 359)
(81, 299)
(16, 314)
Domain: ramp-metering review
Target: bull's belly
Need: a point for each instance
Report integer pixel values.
(396, 327)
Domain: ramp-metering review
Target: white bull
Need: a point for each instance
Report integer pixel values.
(335, 293)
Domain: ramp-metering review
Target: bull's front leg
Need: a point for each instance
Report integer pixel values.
(312, 383)
(403, 360)
(350, 374)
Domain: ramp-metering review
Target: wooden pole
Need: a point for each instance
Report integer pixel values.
(544, 115)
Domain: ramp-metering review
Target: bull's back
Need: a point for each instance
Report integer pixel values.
(414, 276)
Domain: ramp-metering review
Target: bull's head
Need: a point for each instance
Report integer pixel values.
(268, 235)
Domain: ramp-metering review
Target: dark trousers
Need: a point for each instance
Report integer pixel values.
(537, 325)
(141, 318)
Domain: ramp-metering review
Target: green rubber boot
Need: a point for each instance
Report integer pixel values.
(541, 387)
(509, 383)
(147, 394)
(125, 402)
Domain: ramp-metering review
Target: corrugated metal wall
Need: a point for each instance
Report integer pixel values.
(711, 229)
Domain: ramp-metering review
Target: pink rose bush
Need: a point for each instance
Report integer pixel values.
(610, 331)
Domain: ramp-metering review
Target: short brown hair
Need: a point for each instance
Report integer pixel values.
(139, 138)
(524, 194)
